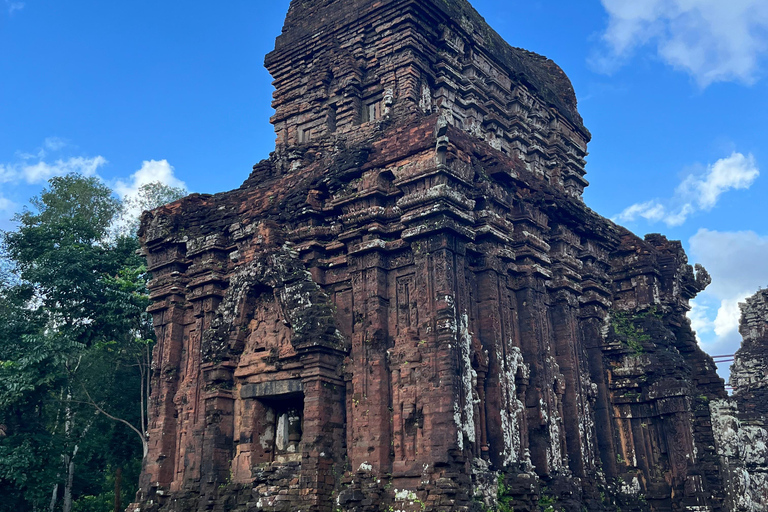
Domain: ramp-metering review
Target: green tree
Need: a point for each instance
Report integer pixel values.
(61, 252)
(81, 345)
(27, 361)
(148, 197)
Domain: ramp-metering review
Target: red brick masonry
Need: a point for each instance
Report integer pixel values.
(408, 306)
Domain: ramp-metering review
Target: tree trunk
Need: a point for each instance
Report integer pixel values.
(118, 490)
(54, 497)
(67, 507)
(69, 460)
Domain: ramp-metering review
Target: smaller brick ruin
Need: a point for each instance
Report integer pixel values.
(741, 422)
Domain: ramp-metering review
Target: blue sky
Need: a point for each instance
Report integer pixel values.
(674, 91)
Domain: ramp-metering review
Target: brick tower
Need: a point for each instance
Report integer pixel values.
(409, 307)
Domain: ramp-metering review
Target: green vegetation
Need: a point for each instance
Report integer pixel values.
(502, 494)
(75, 350)
(625, 327)
(546, 502)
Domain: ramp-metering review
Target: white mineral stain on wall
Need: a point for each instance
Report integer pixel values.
(742, 446)
(551, 417)
(426, 99)
(554, 450)
(405, 495)
(587, 423)
(631, 488)
(464, 416)
(513, 408)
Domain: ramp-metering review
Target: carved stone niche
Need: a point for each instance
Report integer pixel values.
(278, 423)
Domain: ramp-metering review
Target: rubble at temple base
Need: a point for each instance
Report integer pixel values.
(408, 307)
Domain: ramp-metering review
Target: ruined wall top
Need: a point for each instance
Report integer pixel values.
(349, 69)
(315, 18)
(749, 372)
(754, 317)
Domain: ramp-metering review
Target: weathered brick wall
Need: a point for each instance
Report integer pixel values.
(408, 306)
(335, 59)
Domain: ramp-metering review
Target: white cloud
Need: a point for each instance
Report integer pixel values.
(712, 40)
(700, 317)
(737, 172)
(6, 205)
(55, 143)
(727, 319)
(39, 155)
(739, 267)
(33, 168)
(151, 171)
(697, 192)
(14, 6)
(41, 171)
(651, 211)
(735, 259)
(50, 144)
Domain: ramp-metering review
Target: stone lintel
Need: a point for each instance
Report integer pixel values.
(272, 389)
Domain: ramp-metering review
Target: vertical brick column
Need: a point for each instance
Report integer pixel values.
(323, 429)
(372, 434)
(167, 289)
(218, 436)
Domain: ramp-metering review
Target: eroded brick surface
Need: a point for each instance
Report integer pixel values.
(408, 306)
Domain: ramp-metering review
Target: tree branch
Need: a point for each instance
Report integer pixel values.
(115, 418)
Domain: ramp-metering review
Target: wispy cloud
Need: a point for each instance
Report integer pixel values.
(34, 168)
(6, 205)
(696, 192)
(712, 40)
(41, 171)
(50, 145)
(14, 6)
(55, 144)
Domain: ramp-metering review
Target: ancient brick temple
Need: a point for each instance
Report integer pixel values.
(408, 305)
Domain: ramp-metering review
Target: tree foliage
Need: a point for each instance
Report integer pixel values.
(75, 350)
(148, 197)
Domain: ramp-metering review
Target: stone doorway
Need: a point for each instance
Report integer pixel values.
(277, 409)
(288, 414)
